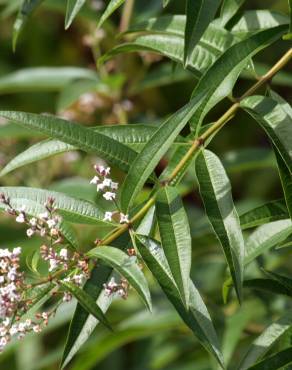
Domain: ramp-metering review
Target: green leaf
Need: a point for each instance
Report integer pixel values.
(175, 237)
(265, 237)
(215, 190)
(222, 75)
(196, 317)
(127, 267)
(274, 362)
(151, 154)
(267, 285)
(262, 344)
(71, 209)
(228, 10)
(112, 6)
(73, 8)
(170, 42)
(165, 3)
(268, 212)
(199, 14)
(283, 280)
(276, 120)
(86, 302)
(254, 20)
(77, 135)
(82, 323)
(286, 181)
(288, 36)
(43, 79)
(25, 12)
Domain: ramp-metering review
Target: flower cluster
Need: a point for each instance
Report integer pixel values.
(46, 224)
(108, 188)
(114, 288)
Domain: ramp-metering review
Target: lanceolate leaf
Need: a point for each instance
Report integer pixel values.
(274, 362)
(268, 212)
(134, 136)
(70, 208)
(26, 9)
(73, 8)
(222, 75)
(265, 237)
(196, 317)
(86, 302)
(82, 323)
(215, 190)
(261, 345)
(199, 14)
(77, 135)
(112, 6)
(228, 10)
(127, 267)
(286, 181)
(267, 285)
(276, 120)
(157, 146)
(175, 237)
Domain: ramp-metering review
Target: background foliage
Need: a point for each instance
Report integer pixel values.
(59, 72)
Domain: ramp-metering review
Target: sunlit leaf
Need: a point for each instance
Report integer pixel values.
(112, 6)
(73, 8)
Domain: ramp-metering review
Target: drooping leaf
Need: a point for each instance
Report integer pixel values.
(25, 12)
(196, 317)
(73, 8)
(153, 151)
(215, 190)
(262, 344)
(77, 135)
(69, 208)
(222, 75)
(285, 281)
(267, 285)
(199, 13)
(43, 79)
(265, 237)
(127, 267)
(175, 237)
(268, 212)
(228, 9)
(286, 181)
(112, 6)
(86, 302)
(276, 120)
(82, 323)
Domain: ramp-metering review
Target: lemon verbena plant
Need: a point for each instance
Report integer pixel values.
(137, 225)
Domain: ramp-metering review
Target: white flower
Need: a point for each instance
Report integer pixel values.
(64, 253)
(100, 186)
(53, 264)
(36, 328)
(3, 342)
(33, 221)
(114, 185)
(45, 315)
(107, 171)
(51, 223)
(124, 218)
(3, 265)
(2, 279)
(16, 251)
(78, 279)
(95, 180)
(13, 330)
(21, 327)
(44, 215)
(29, 232)
(109, 195)
(67, 297)
(12, 274)
(3, 331)
(108, 216)
(107, 182)
(20, 218)
(43, 231)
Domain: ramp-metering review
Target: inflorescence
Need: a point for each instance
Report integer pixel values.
(18, 293)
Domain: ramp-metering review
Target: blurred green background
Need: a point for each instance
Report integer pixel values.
(128, 90)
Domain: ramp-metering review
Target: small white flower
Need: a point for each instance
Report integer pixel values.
(13, 330)
(28, 323)
(30, 232)
(124, 218)
(100, 186)
(3, 331)
(43, 231)
(109, 195)
(107, 171)
(20, 218)
(51, 223)
(67, 297)
(108, 216)
(106, 182)
(64, 253)
(16, 251)
(6, 322)
(44, 216)
(21, 327)
(53, 264)
(36, 328)
(114, 185)
(2, 279)
(3, 265)
(78, 279)
(3, 342)
(33, 221)
(45, 315)
(95, 180)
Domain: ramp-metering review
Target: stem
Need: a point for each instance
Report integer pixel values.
(200, 141)
(126, 15)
